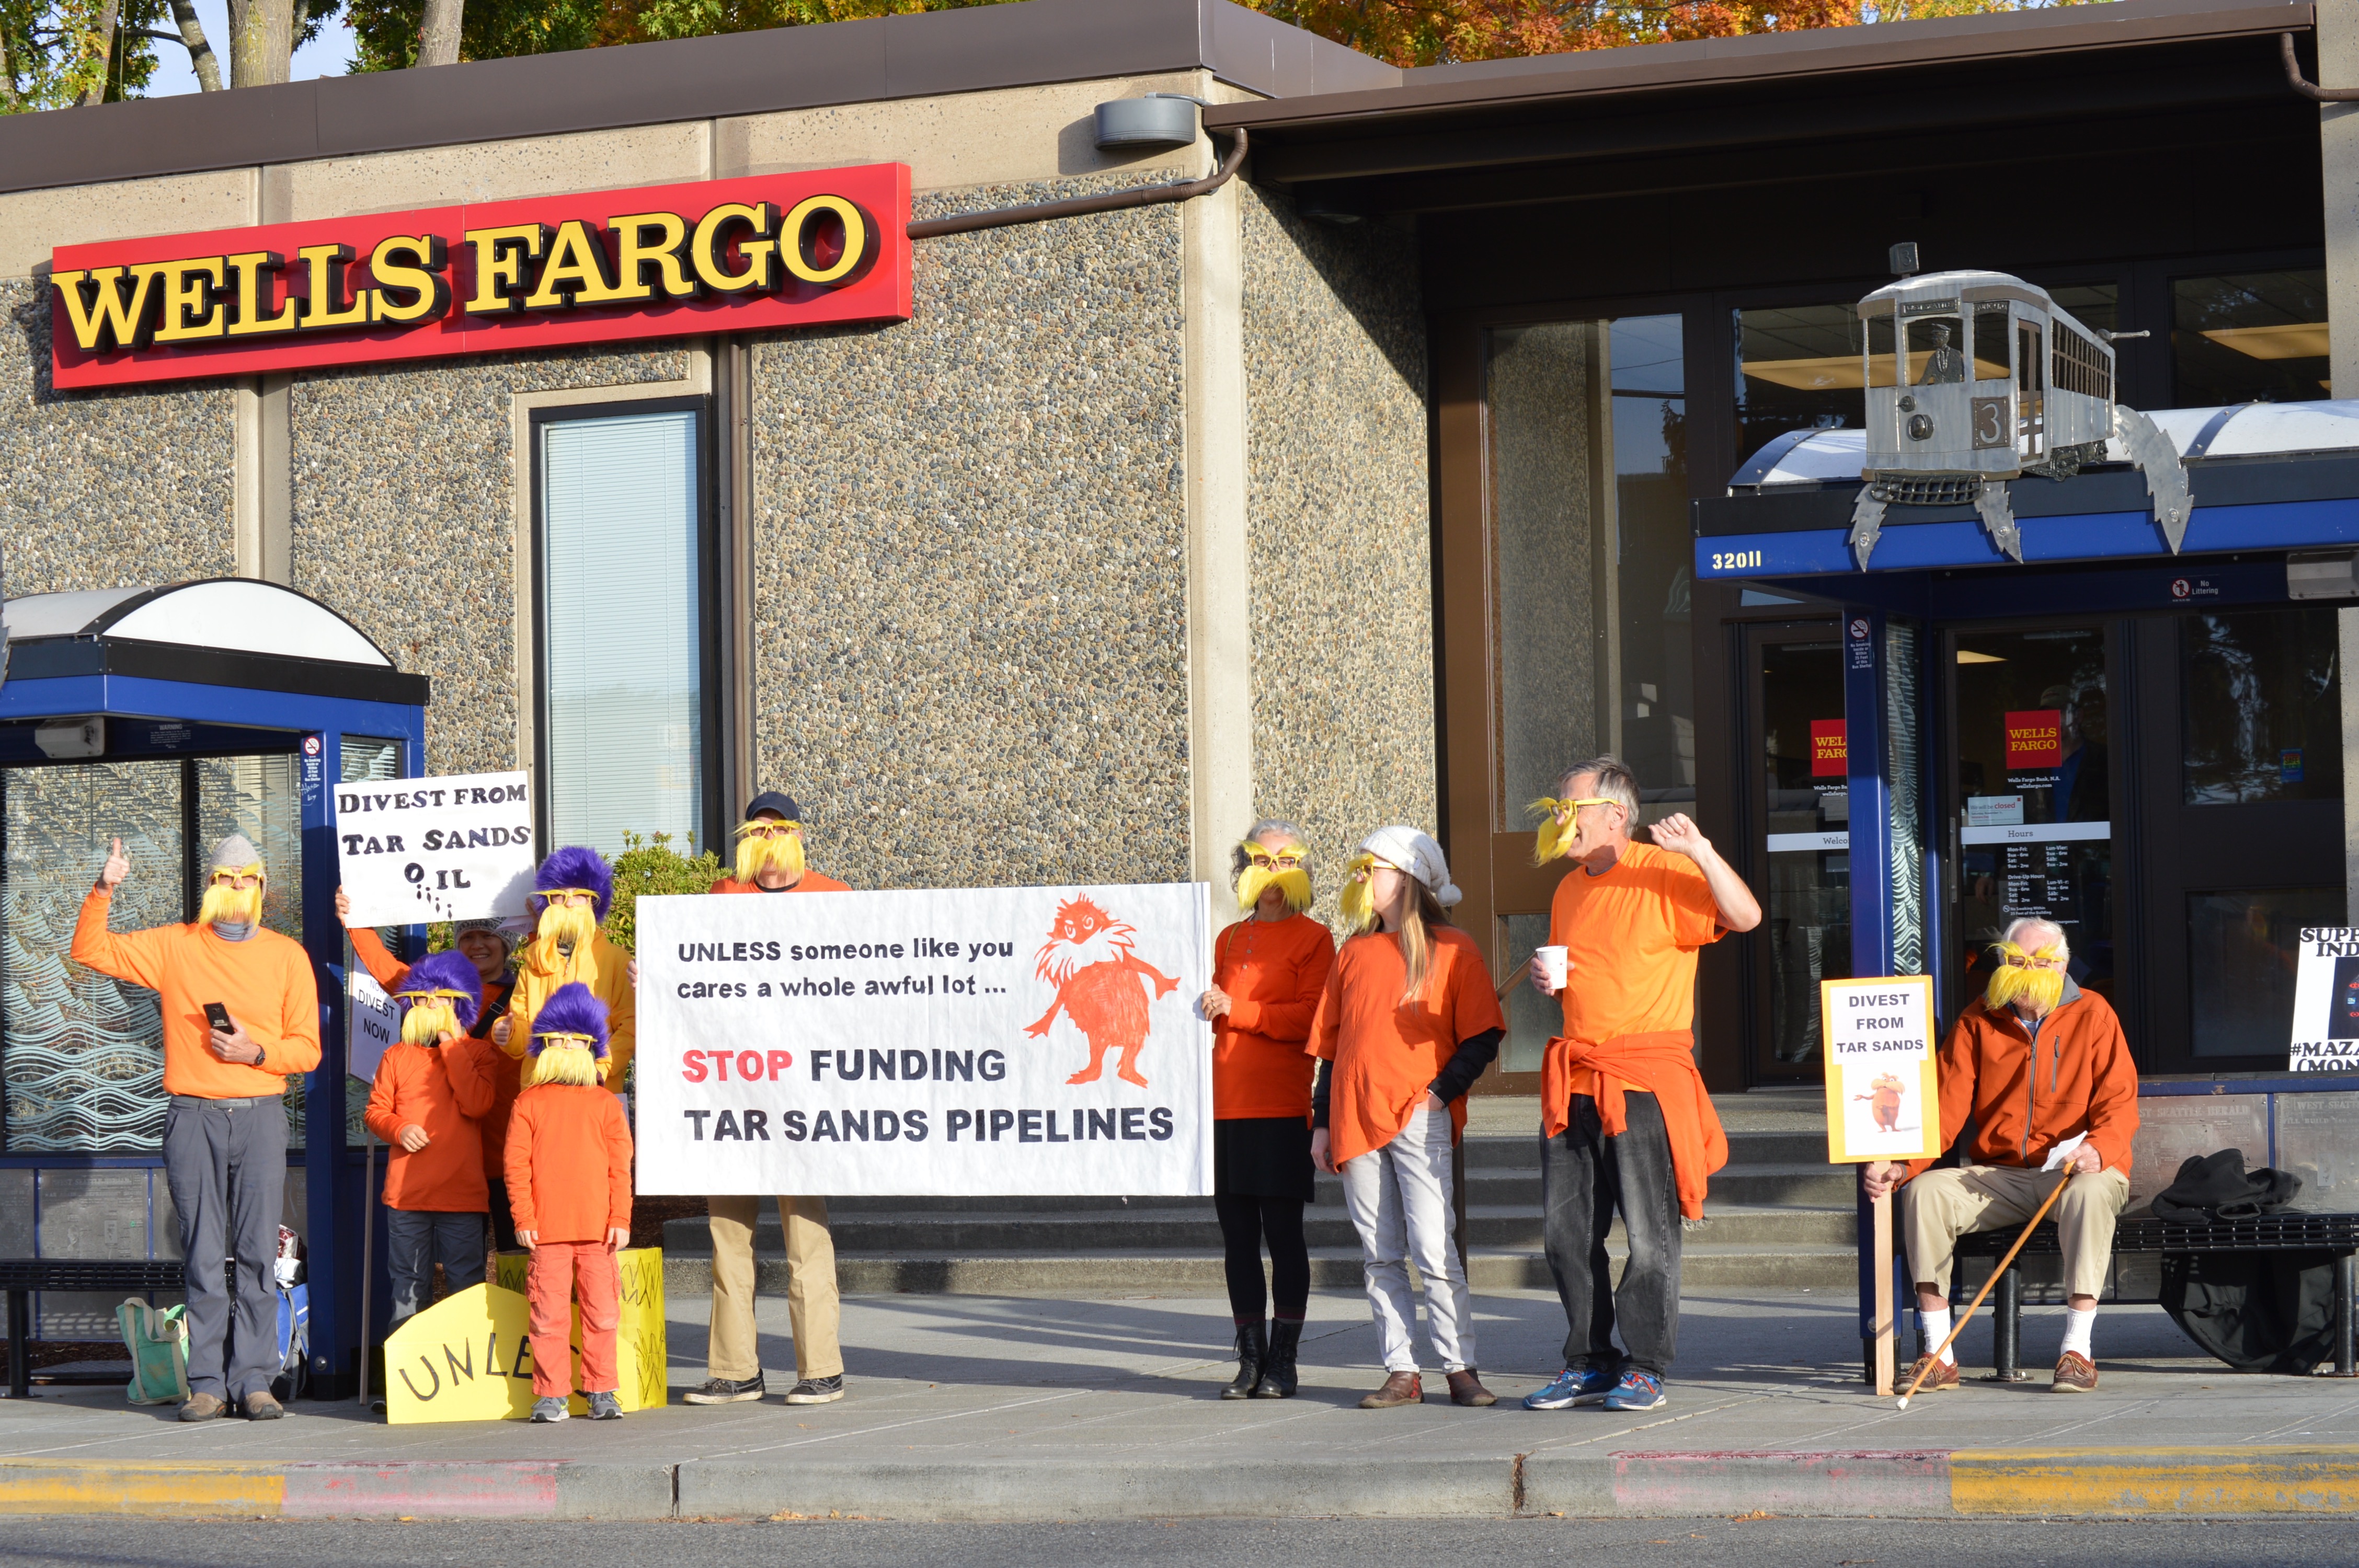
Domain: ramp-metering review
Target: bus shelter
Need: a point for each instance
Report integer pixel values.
(2142, 743)
(169, 717)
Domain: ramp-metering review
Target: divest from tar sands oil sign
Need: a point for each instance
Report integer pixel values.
(725, 256)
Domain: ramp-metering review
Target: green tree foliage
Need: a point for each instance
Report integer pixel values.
(492, 29)
(650, 865)
(58, 52)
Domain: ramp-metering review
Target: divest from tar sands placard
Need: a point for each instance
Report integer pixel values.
(1883, 1099)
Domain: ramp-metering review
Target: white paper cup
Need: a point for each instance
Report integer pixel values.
(1552, 965)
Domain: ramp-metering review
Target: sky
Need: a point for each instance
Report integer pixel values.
(330, 54)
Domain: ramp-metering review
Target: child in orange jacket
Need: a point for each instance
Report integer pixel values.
(430, 1088)
(569, 1163)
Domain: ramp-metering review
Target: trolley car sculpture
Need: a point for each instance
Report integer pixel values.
(1975, 379)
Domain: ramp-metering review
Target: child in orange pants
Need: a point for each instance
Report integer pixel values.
(568, 1169)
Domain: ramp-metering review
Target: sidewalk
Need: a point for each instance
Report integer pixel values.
(1023, 1408)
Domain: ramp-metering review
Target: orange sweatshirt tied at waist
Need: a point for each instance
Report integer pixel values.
(1662, 1064)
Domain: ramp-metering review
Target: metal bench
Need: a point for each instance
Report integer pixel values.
(2287, 1231)
(22, 1276)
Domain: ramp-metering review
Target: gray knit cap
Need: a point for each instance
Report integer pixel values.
(461, 927)
(235, 853)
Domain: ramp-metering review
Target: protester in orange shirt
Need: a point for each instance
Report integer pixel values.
(1626, 1121)
(1407, 1022)
(1269, 972)
(431, 1088)
(568, 1159)
(225, 1127)
(571, 893)
(770, 860)
(488, 944)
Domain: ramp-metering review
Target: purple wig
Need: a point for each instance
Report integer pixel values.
(572, 1009)
(445, 972)
(574, 867)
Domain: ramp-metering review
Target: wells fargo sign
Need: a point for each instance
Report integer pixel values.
(728, 256)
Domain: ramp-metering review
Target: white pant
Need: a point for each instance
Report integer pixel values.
(1399, 1196)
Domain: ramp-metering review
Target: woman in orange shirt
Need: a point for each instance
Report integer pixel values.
(1408, 1021)
(1269, 972)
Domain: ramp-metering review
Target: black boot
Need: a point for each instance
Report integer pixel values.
(1252, 1350)
(1278, 1380)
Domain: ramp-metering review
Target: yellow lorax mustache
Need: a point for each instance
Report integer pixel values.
(1555, 830)
(1358, 910)
(764, 845)
(236, 906)
(430, 1018)
(2015, 979)
(568, 924)
(1265, 867)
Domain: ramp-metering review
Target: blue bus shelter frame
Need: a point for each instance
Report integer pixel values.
(313, 728)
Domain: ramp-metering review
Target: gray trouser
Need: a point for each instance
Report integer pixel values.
(1399, 1198)
(415, 1240)
(226, 1162)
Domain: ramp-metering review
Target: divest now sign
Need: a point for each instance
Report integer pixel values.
(725, 255)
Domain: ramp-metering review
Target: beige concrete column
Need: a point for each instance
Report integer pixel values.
(262, 496)
(1220, 652)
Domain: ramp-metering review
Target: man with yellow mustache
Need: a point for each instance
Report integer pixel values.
(2035, 1061)
(770, 860)
(225, 1126)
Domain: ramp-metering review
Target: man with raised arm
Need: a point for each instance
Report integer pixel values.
(225, 1124)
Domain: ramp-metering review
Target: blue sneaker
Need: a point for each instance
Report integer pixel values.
(1573, 1386)
(1636, 1391)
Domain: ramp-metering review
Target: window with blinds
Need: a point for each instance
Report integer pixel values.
(623, 677)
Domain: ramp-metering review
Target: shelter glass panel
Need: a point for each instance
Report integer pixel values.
(621, 628)
(1807, 907)
(2242, 949)
(81, 1053)
(2264, 719)
(2250, 336)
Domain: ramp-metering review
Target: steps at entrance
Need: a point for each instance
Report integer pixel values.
(1779, 1216)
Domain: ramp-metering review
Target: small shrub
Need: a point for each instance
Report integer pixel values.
(650, 865)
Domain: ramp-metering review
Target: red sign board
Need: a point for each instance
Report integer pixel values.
(2035, 741)
(723, 255)
(1829, 751)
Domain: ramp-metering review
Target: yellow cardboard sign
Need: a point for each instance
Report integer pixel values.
(642, 1348)
(1884, 1093)
(464, 1358)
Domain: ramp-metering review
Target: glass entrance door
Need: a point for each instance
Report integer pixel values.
(1801, 804)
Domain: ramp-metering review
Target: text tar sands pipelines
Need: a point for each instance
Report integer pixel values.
(983, 1125)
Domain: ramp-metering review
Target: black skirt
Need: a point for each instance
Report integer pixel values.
(1262, 1157)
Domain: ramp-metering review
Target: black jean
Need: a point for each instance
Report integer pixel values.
(1584, 1177)
(1245, 1223)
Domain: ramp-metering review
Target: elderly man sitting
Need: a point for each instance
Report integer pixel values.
(2034, 1061)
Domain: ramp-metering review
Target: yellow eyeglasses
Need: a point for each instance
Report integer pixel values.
(758, 828)
(247, 877)
(1274, 859)
(1563, 810)
(431, 996)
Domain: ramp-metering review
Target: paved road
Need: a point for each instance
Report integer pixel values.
(1201, 1543)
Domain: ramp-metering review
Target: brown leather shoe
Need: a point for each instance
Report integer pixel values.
(261, 1406)
(1943, 1376)
(1466, 1388)
(202, 1407)
(1400, 1389)
(2075, 1374)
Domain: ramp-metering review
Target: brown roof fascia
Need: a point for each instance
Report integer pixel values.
(1764, 58)
(1025, 44)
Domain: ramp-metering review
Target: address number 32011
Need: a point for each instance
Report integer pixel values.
(1734, 560)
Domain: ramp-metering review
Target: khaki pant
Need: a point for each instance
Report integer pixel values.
(812, 1311)
(1941, 1205)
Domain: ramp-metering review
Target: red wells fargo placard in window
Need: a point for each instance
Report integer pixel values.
(2035, 741)
(1830, 753)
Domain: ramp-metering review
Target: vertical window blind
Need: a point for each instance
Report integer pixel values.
(623, 704)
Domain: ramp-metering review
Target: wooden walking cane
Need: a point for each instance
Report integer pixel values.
(1926, 1369)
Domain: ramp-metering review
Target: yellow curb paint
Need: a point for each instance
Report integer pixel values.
(190, 1488)
(2258, 1480)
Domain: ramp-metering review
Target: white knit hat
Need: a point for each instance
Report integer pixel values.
(1407, 849)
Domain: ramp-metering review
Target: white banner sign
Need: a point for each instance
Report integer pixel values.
(372, 1023)
(414, 850)
(1001, 1041)
(2326, 1002)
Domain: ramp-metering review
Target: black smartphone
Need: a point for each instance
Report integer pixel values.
(218, 1016)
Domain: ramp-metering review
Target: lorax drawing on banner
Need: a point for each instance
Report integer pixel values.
(1090, 958)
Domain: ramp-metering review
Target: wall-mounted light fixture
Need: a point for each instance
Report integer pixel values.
(1156, 120)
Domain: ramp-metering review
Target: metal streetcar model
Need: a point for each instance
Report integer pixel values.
(1977, 378)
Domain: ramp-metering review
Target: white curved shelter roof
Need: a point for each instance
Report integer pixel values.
(236, 615)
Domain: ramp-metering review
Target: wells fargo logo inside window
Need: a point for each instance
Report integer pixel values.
(2035, 741)
(1829, 751)
(716, 256)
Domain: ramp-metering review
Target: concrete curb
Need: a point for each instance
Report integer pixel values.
(1883, 1482)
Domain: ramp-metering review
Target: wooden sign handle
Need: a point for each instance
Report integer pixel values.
(1882, 1206)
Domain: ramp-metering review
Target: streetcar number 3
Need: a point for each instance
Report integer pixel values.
(1734, 560)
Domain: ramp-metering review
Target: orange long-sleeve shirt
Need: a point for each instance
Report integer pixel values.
(444, 1090)
(604, 966)
(1273, 972)
(506, 1072)
(569, 1162)
(810, 881)
(265, 981)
